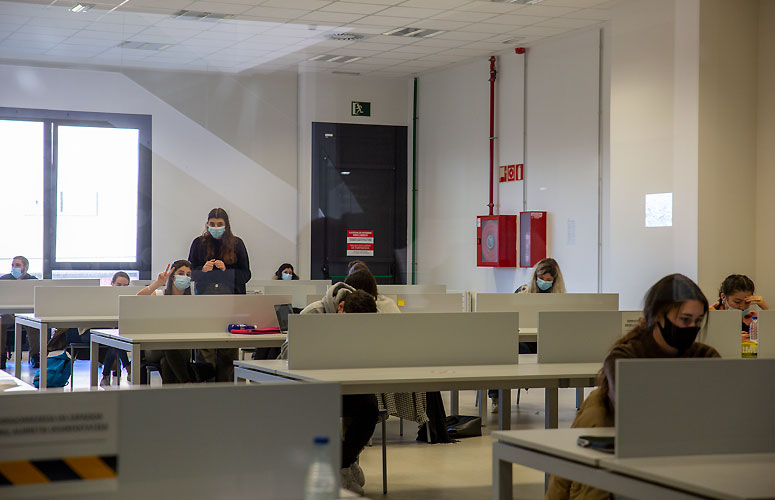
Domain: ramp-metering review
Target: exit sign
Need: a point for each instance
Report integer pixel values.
(361, 108)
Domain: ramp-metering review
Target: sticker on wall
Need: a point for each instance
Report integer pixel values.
(659, 210)
(360, 243)
(510, 173)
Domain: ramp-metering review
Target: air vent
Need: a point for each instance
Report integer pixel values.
(346, 37)
(413, 32)
(129, 44)
(193, 15)
(335, 58)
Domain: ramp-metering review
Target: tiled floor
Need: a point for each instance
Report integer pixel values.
(419, 471)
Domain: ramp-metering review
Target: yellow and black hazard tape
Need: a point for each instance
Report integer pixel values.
(24, 472)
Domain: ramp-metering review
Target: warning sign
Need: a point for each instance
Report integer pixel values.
(360, 243)
(510, 173)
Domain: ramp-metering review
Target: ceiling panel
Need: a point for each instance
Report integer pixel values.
(281, 35)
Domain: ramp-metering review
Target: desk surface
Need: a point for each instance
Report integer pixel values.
(9, 383)
(732, 477)
(422, 374)
(558, 442)
(148, 338)
(64, 319)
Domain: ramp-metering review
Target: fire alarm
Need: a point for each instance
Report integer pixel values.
(520, 50)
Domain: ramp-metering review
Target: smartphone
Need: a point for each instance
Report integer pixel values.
(601, 443)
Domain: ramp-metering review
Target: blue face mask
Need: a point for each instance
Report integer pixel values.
(182, 282)
(287, 276)
(543, 285)
(16, 272)
(217, 232)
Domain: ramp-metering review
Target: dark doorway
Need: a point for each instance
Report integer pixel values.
(359, 184)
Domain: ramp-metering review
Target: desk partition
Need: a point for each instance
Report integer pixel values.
(22, 292)
(684, 407)
(320, 285)
(197, 442)
(146, 314)
(298, 293)
(431, 302)
(723, 333)
(577, 337)
(528, 305)
(319, 341)
(411, 289)
(80, 301)
(766, 334)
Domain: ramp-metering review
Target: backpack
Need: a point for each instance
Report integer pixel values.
(58, 370)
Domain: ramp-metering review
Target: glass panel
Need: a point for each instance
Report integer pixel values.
(97, 194)
(21, 204)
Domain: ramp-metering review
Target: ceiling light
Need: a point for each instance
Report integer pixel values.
(130, 44)
(334, 58)
(82, 7)
(193, 15)
(413, 32)
(345, 172)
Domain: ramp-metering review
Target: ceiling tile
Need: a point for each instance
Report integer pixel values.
(564, 22)
(295, 4)
(535, 30)
(275, 13)
(462, 35)
(218, 7)
(471, 17)
(387, 21)
(353, 8)
(439, 24)
(338, 18)
(489, 28)
(494, 7)
(541, 10)
(518, 20)
(410, 12)
(598, 14)
(417, 49)
(573, 3)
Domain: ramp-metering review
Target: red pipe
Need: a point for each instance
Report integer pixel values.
(493, 74)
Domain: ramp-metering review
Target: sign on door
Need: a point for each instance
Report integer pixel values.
(360, 243)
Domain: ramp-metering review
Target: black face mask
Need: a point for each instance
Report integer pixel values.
(681, 338)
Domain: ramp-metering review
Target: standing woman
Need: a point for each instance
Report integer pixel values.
(220, 266)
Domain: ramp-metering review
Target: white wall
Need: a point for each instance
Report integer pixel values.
(654, 95)
(194, 169)
(328, 98)
(561, 167)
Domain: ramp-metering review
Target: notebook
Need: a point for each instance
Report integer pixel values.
(282, 311)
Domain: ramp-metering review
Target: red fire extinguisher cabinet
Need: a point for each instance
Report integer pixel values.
(532, 238)
(496, 241)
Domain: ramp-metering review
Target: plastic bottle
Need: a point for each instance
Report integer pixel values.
(753, 330)
(321, 482)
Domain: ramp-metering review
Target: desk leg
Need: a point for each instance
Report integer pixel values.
(502, 471)
(454, 402)
(579, 397)
(136, 365)
(17, 351)
(550, 407)
(43, 354)
(94, 362)
(504, 409)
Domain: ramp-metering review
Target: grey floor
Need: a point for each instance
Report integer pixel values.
(416, 470)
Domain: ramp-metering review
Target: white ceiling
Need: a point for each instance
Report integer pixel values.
(276, 35)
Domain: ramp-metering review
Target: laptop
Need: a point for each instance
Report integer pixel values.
(282, 311)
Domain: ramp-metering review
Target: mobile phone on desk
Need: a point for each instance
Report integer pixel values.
(600, 443)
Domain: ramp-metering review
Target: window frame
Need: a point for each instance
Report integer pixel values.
(52, 119)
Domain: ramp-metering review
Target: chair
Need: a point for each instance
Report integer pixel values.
(71, 351)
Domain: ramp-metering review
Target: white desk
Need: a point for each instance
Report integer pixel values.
(43, 325)
(16, 309)
(436, 378)
(729, 477)
(9, 383)
(135, 343)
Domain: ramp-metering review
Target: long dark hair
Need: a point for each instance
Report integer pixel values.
(171, 279)
(282, 268)
(735, 283)
(361, 278)
(664, 296)
(228, 241)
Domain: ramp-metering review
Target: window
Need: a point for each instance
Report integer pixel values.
(81, 205)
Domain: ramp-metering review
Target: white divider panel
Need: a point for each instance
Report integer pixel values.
(528, 305)
(313, 298)
(195, 313)
(431, 302)
(140, 283)
(199, 442)
(392, 340)
(80, 301)
(298, 293)
(577, 337)
(408, 289)
(766, 334)
(724, 333)
(694, 407)
(320, 286)
(22, 292)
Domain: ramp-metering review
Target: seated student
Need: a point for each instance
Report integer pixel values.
(119, 279)
(546, 278)
(737, 292)
(360, 277)
(360, 412)
(19, 267)
(173, 363)
(674, 312)
(285, 272)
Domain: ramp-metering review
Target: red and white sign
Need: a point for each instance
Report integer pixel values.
(509, 173)
(360, 243)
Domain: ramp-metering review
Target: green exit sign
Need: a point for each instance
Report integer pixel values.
(361, 108)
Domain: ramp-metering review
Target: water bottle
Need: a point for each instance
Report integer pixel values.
(753, 330)
(321, 482)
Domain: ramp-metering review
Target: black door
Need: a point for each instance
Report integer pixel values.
(359, 184)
